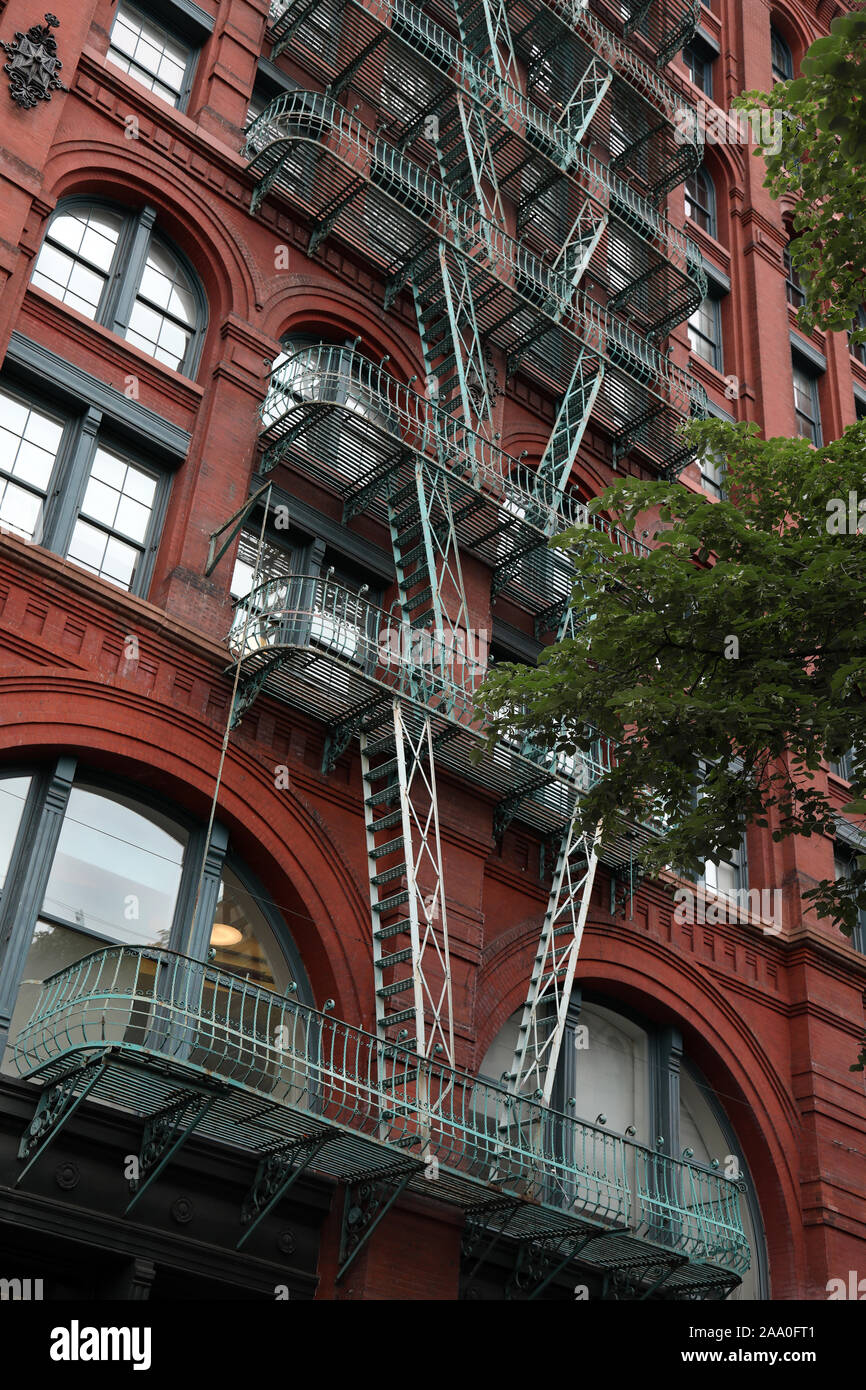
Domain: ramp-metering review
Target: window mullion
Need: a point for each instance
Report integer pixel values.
(133, 270)
(69, 488)
(193, 920)
(28, 877)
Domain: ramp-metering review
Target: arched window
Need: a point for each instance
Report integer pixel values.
(622, 1075)
(701, 201)
(123, 869)
(112, 266)
(783, 62)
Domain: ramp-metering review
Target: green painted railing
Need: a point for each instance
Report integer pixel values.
(170, 1011)
(345, 380)
(308, 117)
(436, 671)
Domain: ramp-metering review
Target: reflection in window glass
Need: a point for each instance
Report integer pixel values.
(117, 869)
(76, 256)
(13, 794)
(53, 947)
(243, 940)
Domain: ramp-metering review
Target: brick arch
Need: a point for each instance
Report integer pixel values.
(301, 306)
(663, 986)
(172, 753)
(796, 27)
(222, 261)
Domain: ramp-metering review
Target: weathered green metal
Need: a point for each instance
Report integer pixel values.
(523, 305)
(155, 1022)
(335, 416)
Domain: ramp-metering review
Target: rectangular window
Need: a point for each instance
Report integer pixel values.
(698, 58)
(150, 54)
(713, 475)
(29, 447)
(62, 488)
(793, 287)
(705, 331)
(806, 405)
(727, 877)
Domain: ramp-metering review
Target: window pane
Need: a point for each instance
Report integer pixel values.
(29, 443)
(76, 256)
(243, 940)
(13, 794)
(149, 54)
(117, 868)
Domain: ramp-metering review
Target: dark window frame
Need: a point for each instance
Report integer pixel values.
(780, 49)
(716, 344)
(704, 186)
(806, 369)
(794, 291)
(699, 59)
(124, 277)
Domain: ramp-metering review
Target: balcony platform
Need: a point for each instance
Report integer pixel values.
(190, 1048)
(347, 180)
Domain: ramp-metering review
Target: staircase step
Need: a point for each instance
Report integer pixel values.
(399, 987)
(388, 794)
(382, 851)
(395, 958)
(403, 494)
(388, 875)
(393, 930)
(392, 1020)
(401, 1079)
(389, 904)
(384, 770)
(386, 822)
(380, 745)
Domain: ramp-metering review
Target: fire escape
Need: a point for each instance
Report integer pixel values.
(501, 166)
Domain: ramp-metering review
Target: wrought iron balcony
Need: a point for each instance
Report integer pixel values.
(347, 179)
(187, 1047)
(537, 27)
(660, 276)
(328, 651)
(335, 416)
(664, 25)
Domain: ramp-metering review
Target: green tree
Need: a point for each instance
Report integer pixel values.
(818, 155)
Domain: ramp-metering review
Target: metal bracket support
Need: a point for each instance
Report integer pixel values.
(165, 1133)
(276, 1173)
(56, 1105)
(365, 1204)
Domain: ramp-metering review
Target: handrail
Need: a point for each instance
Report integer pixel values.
(436, 670)
(427, 199)
(325, 372)
(158, 1006)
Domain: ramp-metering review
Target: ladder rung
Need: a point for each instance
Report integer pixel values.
(395, 958)
(399, 987)
(391, 848)
(394, 930)
(395, 900)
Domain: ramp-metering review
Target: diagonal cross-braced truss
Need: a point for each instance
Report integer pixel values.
(542, 1024)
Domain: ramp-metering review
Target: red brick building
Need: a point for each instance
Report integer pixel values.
(176, 218)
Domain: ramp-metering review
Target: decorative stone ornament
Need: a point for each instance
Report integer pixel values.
(34, 64)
